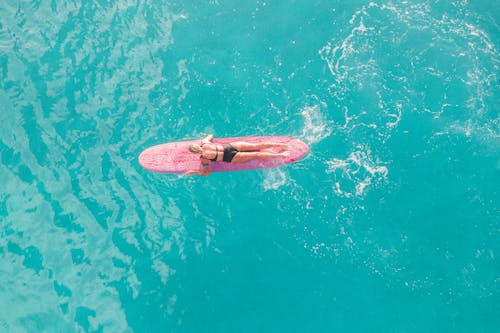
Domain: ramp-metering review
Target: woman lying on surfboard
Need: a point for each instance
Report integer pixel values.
(234, 152)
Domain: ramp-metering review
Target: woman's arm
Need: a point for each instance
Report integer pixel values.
(208, 138)
(205, 169)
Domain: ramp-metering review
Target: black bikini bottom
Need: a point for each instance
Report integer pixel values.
(229, 153)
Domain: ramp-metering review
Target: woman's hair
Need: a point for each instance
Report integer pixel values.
(194, 148)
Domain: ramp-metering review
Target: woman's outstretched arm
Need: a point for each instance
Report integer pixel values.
(208, 138)
(205, 169)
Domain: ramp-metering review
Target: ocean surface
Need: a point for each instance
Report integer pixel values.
(391, 223)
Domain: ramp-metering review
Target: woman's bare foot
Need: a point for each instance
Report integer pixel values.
(285, 154)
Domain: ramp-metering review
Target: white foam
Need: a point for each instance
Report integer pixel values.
(356, 173)
(275, 178)
(316, 125)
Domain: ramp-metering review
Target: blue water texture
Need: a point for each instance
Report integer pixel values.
(391, 223)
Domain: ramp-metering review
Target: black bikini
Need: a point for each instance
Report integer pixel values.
(229, 153)
(216, 154)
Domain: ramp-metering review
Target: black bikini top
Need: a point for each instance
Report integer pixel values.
(216, 154)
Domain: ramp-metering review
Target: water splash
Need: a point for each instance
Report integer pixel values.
(274, 179)
(436, 64)
(316, 125)
(356, 173)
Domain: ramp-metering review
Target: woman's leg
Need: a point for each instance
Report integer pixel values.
(243, 157)
(250, 147)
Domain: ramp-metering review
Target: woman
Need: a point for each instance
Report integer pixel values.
(235, 152)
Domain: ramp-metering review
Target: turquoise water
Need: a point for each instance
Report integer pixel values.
(390, 224)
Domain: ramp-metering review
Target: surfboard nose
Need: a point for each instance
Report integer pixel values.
(144, 158)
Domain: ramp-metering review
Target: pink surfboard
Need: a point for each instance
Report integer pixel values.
(175, 157)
